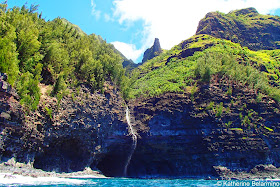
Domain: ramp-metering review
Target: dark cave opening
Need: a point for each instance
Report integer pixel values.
(68, 155)
(112, 164)
(143, 168)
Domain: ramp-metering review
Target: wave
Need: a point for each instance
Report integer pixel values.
(10, 179)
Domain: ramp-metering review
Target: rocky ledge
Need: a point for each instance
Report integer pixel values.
(259, 172)
(12, 168)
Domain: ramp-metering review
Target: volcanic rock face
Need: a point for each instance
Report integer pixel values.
(222, 128)
(88, 130)
(245, 26)
(11, 120)
(84, 129)
(181, 137)
(152, 52)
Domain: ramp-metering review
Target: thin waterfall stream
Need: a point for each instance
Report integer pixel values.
(134, 140)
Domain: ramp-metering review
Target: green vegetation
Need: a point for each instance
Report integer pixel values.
(246, 121)
(49, 112)
(269, 129)
(219, 109)
(228, 124)
(170, 72)
(210, 106)
(246, 27)
(229, 91)
(31, 46)
(236, 129)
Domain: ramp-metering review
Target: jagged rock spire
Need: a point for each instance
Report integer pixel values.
(152, 52)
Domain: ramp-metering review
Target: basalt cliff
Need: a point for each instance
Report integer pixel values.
(207, 108)
(89, 130)
(183, 137)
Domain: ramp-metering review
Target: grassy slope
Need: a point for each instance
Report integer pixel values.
(258, 69)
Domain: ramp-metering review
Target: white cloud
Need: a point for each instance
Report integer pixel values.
(108, 18)
(175, 20)
(128, 50)
(94, 11)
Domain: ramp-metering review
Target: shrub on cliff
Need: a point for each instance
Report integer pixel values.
(172, 71)
(69, 56)
(28, 88)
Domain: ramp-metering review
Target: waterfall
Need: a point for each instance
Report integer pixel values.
(134, 140)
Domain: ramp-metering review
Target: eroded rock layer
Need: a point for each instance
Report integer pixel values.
(82, 130)
(185, 136)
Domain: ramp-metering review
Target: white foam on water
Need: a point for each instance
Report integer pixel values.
(9, 179)
(87, 177)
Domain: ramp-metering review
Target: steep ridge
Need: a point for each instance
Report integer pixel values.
(128, 64)
(245, 26)
(200, 57)
(152, 52)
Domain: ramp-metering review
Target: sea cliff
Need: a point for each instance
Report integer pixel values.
(207, 108)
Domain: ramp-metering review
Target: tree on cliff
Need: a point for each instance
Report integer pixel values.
(30, 46)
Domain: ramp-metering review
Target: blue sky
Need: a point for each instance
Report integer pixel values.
(132, 25)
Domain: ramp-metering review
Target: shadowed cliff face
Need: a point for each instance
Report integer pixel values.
(182, 138)
(87, 130)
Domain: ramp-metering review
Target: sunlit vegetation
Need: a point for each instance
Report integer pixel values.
(31, 47)
(170, 72)
(59, 53)
(246, 27)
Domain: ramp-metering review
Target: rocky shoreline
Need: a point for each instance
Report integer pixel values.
(11, 169)
(259, 172)
(14, 170)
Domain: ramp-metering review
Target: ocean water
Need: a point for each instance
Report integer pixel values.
(111, 182)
